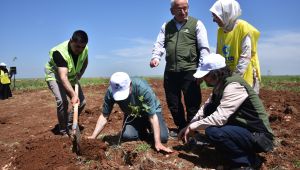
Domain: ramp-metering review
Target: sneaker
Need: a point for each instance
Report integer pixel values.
(201, 139)
(173, 133)
(257, 162)
(192, 142)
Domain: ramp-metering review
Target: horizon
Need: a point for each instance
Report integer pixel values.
(150, 76)
(122, 34)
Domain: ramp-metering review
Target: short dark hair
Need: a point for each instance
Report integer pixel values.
(80, 36)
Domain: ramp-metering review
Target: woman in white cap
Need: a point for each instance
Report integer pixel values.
(5, 91)
(234, 118)
(237, 41)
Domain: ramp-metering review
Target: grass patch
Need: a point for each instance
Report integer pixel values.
(40, 83)
(29, 84)
(142, 147)
(285, 83)
(296, 163)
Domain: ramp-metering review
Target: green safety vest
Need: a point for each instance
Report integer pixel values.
(251, 114)
(51, 68)
(181, 46)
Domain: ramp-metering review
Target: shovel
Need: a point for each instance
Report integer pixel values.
(75, 128)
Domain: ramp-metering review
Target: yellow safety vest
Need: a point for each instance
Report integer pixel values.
(51, 68)
(229, 46)
(4, 78)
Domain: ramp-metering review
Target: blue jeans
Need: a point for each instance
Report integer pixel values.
(137, 129)
(235, 143)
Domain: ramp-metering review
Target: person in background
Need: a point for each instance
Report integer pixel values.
(184, 39)
(5, 91)
(67, 64)
(141, 107)
(234, 118)
(237, 41)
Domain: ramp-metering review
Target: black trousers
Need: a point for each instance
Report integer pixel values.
(5, 91)
(176, 84)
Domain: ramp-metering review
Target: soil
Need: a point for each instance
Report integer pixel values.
(29, 138)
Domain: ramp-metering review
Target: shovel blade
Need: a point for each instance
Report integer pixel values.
(76, 140)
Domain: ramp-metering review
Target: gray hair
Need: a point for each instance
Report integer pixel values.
(173, 1)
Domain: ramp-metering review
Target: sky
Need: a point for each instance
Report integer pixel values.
(122, 33)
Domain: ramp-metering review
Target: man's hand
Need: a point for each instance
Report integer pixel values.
(101, 122)
(161, 147)
(154, 62)
(181, 134)
(63, 74)
(75, 100)
(185, 133)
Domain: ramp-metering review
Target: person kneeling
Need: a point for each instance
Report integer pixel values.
(141, 108)
(234, 118)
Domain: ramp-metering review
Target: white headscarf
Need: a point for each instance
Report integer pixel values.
(228, 11)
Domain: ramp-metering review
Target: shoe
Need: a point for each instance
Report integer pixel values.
(257, 162)
(201, 139)
(173, 133)
(192, 142)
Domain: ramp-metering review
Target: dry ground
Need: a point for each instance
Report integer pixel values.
(28, 137)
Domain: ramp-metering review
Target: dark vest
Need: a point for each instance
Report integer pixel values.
(251, 114)
(181, 46)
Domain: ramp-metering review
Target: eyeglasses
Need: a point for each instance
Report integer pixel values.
(184, 9)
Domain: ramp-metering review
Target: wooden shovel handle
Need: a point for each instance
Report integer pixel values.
(75, 116)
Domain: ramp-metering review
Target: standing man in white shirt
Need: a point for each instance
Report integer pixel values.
(184, 39)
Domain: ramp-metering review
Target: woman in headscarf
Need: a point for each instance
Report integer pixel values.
(237, 41)
(5, 91)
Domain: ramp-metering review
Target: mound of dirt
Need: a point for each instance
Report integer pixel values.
(46, 153)
(92, 149)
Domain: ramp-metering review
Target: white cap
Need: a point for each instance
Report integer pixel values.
(120, 85)
(210, 62)
(2, 64)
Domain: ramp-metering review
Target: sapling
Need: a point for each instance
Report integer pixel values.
(135, 112)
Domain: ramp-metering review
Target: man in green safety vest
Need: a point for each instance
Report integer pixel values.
(67, 64)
